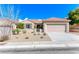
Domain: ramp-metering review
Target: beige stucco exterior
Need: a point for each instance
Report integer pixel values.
(63, 24)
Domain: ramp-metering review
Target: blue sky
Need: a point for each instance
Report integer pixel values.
(43, 11)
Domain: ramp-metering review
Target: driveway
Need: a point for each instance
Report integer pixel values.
(62, 37)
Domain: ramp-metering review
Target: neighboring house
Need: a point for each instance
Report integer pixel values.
(5, 27)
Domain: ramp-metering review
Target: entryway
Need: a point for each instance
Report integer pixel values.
(39, 27)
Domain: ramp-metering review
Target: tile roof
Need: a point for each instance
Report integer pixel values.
(5, 21)
(56, 19)
(36, 21)
(27, 21)
(40, 21)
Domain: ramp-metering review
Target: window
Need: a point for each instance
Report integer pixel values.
(28, 26)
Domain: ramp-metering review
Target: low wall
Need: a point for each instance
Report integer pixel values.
(74, 30)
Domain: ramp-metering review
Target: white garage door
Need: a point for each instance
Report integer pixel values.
(56, 28)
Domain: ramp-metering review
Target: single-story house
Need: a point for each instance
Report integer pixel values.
(49, 25)
(5, 27)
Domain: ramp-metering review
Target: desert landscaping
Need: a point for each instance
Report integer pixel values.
(29, 36)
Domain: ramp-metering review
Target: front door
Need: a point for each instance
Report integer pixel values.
(39, 27)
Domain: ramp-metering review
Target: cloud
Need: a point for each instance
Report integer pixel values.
(20, 20)
(39, 19)
(26, 19)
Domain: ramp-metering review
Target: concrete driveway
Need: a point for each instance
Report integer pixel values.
(62, 37)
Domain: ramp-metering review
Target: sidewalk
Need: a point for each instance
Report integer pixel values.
(36, 46)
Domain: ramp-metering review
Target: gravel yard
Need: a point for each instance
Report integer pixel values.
(29, 37)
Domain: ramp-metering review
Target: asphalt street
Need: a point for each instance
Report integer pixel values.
(43, 51)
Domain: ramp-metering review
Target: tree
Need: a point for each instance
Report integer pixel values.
(74, 16)
(20, 25)
(7, 12)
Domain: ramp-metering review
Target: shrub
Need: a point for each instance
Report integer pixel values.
(13, 32)
(44, 34)
(16, 31)
(26, 37)
(41, 37)
(20, 25)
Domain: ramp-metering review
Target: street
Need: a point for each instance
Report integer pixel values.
(43, 51)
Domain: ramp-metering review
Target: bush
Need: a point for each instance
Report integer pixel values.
(20, 25)
(41, 37)
(16, 31)
(77, 21)
(44, 34)
(26, 37)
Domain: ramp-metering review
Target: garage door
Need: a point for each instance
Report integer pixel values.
(56, 28)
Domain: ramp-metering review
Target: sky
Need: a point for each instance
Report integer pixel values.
(43, 11)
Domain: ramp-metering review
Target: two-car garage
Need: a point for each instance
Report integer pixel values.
(56, 25)
(56, 28)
